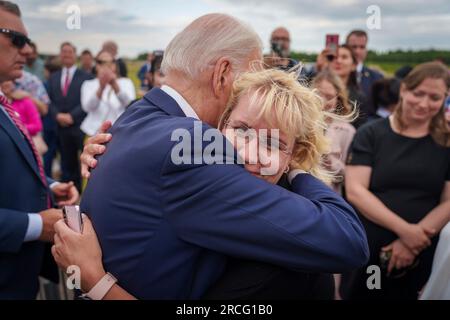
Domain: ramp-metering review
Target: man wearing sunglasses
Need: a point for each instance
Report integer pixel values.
(26, 194)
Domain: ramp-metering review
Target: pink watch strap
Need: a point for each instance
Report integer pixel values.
(99, 291)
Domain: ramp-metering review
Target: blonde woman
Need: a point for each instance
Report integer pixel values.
(261, 102)
(339, 131)
(398, 177)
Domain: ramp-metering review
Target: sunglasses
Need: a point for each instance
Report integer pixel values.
(19, 40)
(103, 62)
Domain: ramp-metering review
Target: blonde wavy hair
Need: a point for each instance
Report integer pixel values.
(439, 129)
(348, 110)
(297, 111)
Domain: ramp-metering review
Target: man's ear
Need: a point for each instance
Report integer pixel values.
(222, 75)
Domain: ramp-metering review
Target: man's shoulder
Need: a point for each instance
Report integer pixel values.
(375, 128)
(55, 76)
(83, 74)
(372, 73)
(145, 117)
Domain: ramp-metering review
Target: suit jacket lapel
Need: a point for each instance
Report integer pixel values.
(58, 83)
(75, 77)
(20, 142)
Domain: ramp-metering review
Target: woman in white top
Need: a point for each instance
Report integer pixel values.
(105, 97)
(438, 286)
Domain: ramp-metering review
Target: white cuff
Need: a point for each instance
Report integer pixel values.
(54, 184)
(34, 228)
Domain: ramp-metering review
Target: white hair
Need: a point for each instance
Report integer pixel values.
(206, 40)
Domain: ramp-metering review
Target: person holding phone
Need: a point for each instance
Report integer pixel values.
(27, 195)
(343, 62)
(280, 53)
(327, 55)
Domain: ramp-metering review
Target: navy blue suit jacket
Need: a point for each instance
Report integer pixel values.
(368, 77)
(70, 103)
(142, 72)
(166, 230)
(21, 192)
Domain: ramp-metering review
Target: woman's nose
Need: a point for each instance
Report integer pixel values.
(424, 101)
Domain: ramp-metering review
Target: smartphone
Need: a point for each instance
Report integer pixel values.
(332, 44)
(158, 53)
(73, 218)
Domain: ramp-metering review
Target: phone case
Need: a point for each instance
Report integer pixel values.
(73, 218)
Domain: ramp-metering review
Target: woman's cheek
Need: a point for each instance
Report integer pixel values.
(271, 166)
(436, 107)
(410, 101)
(348, 66)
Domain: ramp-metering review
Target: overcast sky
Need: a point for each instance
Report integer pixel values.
(142, 25)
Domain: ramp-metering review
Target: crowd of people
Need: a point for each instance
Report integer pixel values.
(362, 169)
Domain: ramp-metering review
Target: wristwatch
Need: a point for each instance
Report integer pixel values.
(99, 291)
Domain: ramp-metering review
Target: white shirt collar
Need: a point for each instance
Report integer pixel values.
(359, 67)
(184, 105)
(71, 70)
(383, 112)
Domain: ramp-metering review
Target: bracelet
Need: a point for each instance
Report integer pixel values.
(99, 291)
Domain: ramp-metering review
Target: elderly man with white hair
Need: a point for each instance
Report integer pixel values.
(166, 227)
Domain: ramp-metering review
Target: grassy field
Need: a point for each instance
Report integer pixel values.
(133, 68)
(388, 68)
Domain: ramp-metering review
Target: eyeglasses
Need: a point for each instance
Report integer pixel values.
(19, 40)
(244, 135)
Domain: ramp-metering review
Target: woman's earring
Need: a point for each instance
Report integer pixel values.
(287, 170)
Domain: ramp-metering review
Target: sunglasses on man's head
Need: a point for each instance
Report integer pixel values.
(19, 40)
